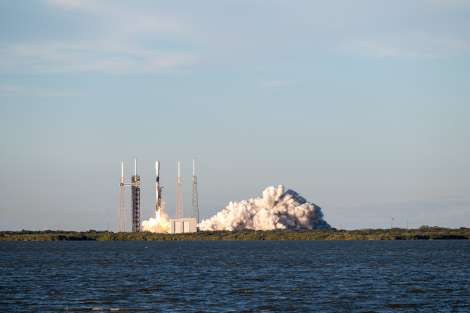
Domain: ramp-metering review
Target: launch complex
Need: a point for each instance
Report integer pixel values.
(179, 224)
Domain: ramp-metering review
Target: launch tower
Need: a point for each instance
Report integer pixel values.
(179, 200)
(135, 187)
(195, 197)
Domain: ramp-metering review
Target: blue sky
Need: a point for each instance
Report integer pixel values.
(361, 106)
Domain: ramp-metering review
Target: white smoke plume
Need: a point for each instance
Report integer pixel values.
(159, 224)
(276, 209)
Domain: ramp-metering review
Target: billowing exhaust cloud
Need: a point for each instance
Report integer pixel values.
(276, 209)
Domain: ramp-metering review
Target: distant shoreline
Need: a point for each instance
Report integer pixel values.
(422, 233)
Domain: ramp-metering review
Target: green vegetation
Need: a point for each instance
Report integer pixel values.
(423, 233)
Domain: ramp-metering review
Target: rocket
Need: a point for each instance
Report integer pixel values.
(121, 182)
(158, 188)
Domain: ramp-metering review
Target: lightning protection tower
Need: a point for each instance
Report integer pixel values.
(179, 200)
(122, 210)
(195, 198)
(135, 187)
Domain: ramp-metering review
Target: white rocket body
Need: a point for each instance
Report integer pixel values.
(178, 177)
(158, 189)
(122, 174)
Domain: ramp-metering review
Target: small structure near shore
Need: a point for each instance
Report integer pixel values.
(183, 225)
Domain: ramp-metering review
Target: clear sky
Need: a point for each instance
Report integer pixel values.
(363, 107)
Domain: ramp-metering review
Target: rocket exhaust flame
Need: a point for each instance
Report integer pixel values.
(159, 224)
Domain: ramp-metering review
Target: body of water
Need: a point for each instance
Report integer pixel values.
(235, 276)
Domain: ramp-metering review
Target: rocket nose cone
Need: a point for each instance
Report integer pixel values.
(157, 168)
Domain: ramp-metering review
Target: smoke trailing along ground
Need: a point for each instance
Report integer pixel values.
(159, 224)
(276, 209)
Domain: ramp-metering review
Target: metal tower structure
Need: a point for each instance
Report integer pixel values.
(135, 187)
(121, 227)
(195, 198)
(179, 200)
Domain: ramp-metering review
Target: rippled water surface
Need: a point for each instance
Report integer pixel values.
(234, 276)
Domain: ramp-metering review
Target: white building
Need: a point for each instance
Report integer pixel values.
(183, 225)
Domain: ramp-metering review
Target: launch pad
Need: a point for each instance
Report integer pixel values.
(161, 223)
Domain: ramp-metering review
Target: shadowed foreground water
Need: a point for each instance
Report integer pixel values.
(234, 276)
